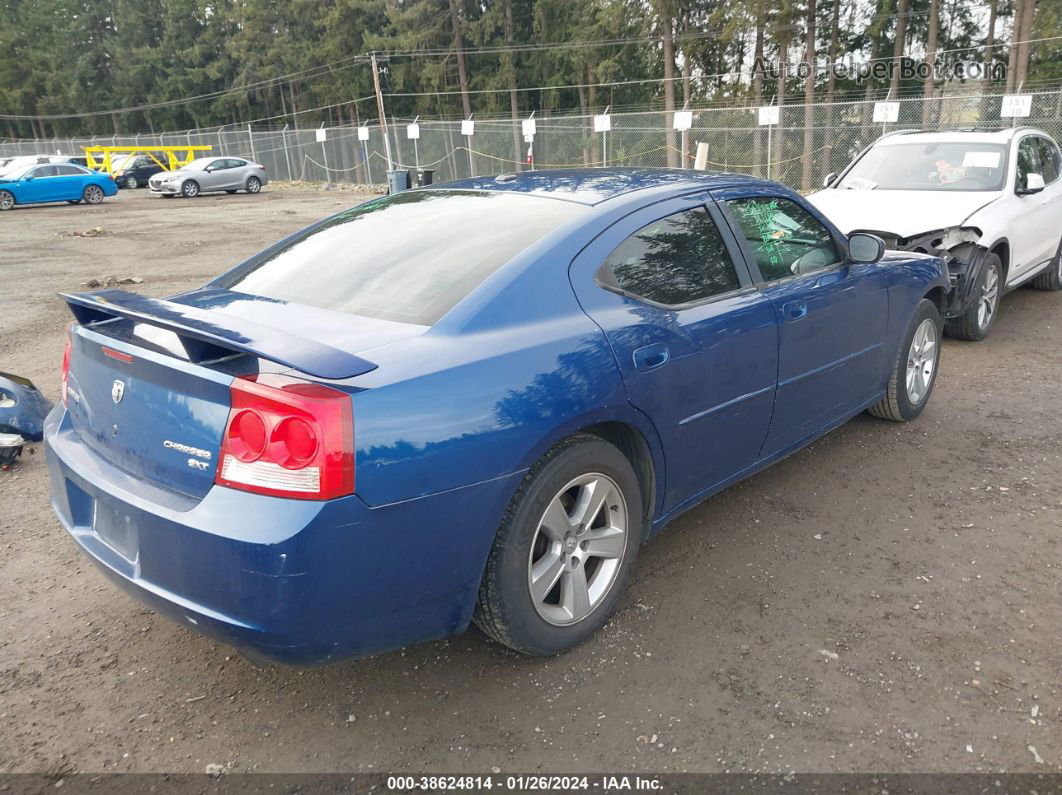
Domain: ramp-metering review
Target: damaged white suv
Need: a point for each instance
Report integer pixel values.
(989, 203)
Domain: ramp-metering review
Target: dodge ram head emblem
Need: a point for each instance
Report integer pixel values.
(117, 391)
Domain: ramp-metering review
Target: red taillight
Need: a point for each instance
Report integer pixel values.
(288, 438)
(66, 367)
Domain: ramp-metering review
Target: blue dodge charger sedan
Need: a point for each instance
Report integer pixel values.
(53, 182)
(470, 403)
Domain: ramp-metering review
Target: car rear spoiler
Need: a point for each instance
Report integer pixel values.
(206, 334)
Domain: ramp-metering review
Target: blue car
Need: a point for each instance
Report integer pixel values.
(471, 402)
(53, 182)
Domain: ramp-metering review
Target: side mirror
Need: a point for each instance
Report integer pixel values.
(1034, 183)
(865, 248)
(830, 179)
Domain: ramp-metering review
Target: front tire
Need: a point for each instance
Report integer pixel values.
(190, 189)
(1051, 279)
(564, 550)
(914, 372)
(7, 200)
(973, 324)
(93, 194)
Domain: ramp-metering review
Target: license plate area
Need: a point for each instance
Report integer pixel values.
(117, 530)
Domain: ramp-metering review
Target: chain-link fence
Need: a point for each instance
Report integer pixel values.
(792, 152)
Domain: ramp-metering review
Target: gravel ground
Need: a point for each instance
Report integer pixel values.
(885, 600)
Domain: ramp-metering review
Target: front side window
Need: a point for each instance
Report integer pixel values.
(408, 257)
(1049, 159)
(1028, 161)
(784, 238)
(676, 260)
(937, 166)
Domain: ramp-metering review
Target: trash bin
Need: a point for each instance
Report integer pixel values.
(425, 177)
(398, 180)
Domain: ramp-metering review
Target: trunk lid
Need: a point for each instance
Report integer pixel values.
(149, 380)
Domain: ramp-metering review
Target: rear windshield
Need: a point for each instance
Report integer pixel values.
(408, 257)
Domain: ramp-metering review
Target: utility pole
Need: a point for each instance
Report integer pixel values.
(380, 108)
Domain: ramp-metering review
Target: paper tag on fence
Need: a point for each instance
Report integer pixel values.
(322, 135)
(769, 114)
(528, 127)
(468, 127)
(683, 120)
(886, 112)
(413, 131)
(363, 133)
(602, 122)
(1016, 105)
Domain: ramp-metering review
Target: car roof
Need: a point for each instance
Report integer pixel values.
(955, 136)
(595, 185)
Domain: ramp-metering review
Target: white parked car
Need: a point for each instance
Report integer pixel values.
(989, 203)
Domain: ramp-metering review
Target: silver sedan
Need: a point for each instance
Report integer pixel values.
(206, 174)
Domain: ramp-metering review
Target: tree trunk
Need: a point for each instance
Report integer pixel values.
(667, 27)
(897, 48)
(1024, 46)
(510, 70)
(757, 85)
(809, 100)
(990, 41)
(931, 60)
(831, 80)
(462, 75)
(1012, 54)
(785, 17)
(584, 112)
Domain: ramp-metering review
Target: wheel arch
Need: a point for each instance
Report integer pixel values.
(635, 448)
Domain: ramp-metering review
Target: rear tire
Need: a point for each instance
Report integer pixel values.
(914, 373)
(1051, 279)
(7, 200)
(190, 189)
(974, 323)
(93, 194)
(564, 550)
(132, 182)
(253, 185)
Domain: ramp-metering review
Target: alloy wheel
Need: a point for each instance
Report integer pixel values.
(577, 549)
(7, 200)
(93, 194)
(130, 182)
(986, 308)
(921, 361)
(254, 185)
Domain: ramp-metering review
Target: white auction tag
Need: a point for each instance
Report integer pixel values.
(413, 131)
(468, 127)
(1016, 105)
(769, 114)
(528, 127)
(886, 112)
(322, 135)
(602, 122)
(683, 119)
(363, 133)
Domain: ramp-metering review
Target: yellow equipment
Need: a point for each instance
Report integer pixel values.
(176, 156)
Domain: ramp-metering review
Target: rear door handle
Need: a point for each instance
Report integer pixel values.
(795, 310)
(651, 356)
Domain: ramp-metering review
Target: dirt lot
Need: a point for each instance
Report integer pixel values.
(885, 600)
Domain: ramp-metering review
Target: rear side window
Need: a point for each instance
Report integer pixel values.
(408, 257)
(677, 260)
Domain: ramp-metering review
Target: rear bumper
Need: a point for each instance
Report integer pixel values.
(289, 581)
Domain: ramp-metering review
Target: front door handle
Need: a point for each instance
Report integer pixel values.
(651, 356)
(795, 310)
